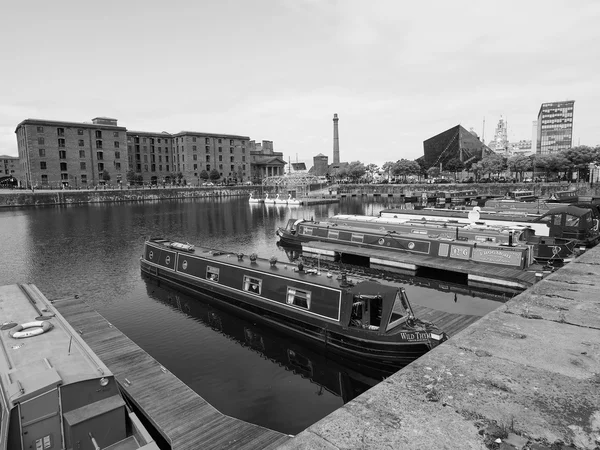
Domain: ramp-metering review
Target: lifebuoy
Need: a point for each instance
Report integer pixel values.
(33, 329)
(381, 241)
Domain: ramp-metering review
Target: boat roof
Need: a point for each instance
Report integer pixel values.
(283, 269)
(57, 357)
(569, 209)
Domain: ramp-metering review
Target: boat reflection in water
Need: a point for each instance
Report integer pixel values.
(330, 371)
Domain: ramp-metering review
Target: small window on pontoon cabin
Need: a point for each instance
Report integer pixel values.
(307, 230)
(415, 231)
(298, 297)
(212, 273)
(333, 234)
(357, 237)
(252, 284)
(400, 310)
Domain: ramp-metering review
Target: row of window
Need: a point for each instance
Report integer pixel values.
(62, 154)
(82, 166)
(153, 159)
(138, 168)
(62, 143)
(253, 285)
(177, 139)
(65, 177)
(231, 158)
(61, 132)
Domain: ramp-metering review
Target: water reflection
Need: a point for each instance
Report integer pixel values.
(330, 374)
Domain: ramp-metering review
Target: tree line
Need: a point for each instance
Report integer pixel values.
(573, 161)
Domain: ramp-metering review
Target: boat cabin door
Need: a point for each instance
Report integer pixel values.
(366, 312)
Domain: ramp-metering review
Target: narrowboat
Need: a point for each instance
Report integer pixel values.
(518, 243)
(366, 320)
(56, 392)
(564, 221)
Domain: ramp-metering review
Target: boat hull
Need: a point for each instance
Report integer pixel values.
(381, 354)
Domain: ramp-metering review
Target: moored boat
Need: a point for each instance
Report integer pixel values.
(56, 393)
(564, 221)
(365, 321)
(430, 237)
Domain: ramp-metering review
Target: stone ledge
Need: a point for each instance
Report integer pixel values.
(531, 368)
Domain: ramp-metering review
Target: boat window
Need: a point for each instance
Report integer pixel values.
(307, 230)
(557, 219)
(572, 221)
(252, 284)
(298, 297)
(333, 234)
(400, 311)
(357, 237)
(212, 273)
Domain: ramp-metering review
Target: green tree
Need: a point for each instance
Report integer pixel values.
(372, 169)
(552, 163)
(387, 168)
(130, 176)
(214, 175)
(580, 158)
(404, 167)
(204, 175)
(519, 164)
(454, 165)
(433, 171)
(139, 178)
(105, 175)
(356, 170)
(491, 164)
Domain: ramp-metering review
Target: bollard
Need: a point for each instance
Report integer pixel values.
(539, 276)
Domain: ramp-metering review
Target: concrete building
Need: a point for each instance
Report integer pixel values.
(151, 155)
(499, 143)
(264, 161)
(10, 170)
(77, 154)
(82, 154)
(194, 152)
(320, 165)
(555, 127)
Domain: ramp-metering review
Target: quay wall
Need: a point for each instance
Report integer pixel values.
(525, 376)
(20, 198)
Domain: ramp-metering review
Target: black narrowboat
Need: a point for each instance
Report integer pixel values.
(364, 321)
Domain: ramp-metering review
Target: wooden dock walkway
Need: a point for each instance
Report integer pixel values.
(451, 323)
(185, 419)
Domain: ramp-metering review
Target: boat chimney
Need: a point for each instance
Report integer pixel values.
(510, 238)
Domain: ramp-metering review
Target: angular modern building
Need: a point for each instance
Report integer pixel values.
(555, 127)
(456, 142)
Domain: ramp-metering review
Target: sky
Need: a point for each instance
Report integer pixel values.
(396, 72)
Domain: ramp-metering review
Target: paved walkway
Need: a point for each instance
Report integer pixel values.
(526, 376)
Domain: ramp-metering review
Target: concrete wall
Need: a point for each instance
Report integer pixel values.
(525, 376)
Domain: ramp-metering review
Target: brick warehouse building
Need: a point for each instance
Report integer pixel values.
(57, 153)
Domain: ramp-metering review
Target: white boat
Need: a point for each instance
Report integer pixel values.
(280, 201)
(254, 200)
(292, 201)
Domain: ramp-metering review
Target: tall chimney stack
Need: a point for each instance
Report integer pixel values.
(336, 141)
